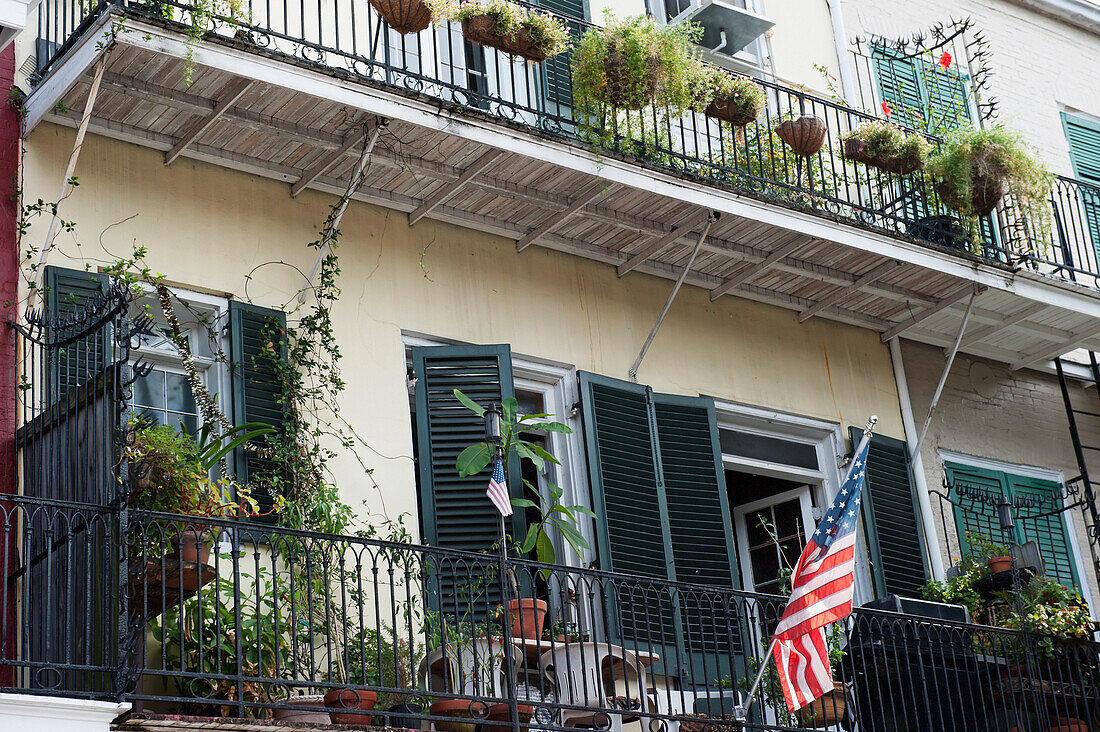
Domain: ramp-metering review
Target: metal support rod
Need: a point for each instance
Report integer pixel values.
(66, 183)
(334, 224)
(633, 372)
(946, 371)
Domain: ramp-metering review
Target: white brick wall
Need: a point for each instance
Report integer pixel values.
(1016, 418)
(1039, 64)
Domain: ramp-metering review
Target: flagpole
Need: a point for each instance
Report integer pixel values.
(741, 711)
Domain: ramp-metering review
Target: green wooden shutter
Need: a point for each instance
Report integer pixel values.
(1049, 529)
(658, 486)
(891, 518)
(1083, 136)
(980, 516)
(946, 97)
(558, 82)
(921, 94)
(67, 292)
(257, 392)
(899, 86)
(455, 511)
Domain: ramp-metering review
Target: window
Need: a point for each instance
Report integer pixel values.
(771, 533)
(974, 492)
(1083, 135)
(921, 93)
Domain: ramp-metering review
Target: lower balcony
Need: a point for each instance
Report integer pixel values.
(212, 619)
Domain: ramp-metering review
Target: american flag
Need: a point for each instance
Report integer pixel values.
(498, 490)
(822, 585)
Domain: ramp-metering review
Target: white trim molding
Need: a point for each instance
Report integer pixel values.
(57, 714)
(1081, 13)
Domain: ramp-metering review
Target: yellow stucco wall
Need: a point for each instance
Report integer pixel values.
(209, 227)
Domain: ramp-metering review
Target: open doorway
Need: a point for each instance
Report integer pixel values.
(771, 519)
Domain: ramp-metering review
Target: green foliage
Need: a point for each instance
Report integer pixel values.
(960, 589)
(634, 61)
(886, 142)
(200, 636)
(1049, 611)
(211, 447)
(552, 515)
(995, 154)
(981, 547)
(549, 34)
(713, 85)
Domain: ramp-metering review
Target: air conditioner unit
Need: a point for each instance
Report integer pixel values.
(727, 29)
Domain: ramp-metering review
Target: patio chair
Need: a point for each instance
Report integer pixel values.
(591, 675)
(474, 668)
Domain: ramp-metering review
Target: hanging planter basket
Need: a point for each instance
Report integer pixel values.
(624, 90)
(805, 135)
(986, 191)
(736, 111)
(481, 29)
(857, 151)
(404, 16)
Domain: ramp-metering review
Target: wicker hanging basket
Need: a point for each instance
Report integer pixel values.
(624, 91)
(481, 29)
(986, 192)
(732, 110)
(805, 135)
(404, 16)
(856, 151)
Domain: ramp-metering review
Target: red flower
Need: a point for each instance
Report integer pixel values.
(945, 60)
(886, 110)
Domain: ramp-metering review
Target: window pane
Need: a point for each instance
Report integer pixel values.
(149, 390)
(189, 421)
(152, 416)
(179, 397)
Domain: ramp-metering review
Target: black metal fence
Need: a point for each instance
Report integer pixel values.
(349, 38)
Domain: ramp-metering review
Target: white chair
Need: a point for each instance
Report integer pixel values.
(473, 668)
(591, 675)
(668, 703)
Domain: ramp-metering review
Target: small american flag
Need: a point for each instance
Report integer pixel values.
(823, 583)
(498, 490)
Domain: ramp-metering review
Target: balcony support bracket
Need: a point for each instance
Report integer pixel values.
(232, 92)
(583, 198)
(928, 312)
(749, 271)
(446, 191)
(842, 292)
(352, 139)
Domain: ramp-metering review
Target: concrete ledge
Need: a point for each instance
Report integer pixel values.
(57, 714)
(1081, 13)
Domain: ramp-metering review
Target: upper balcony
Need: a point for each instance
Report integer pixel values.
(473, 137)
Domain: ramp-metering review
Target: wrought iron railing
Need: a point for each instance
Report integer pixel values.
(349, 38)
(255, 628)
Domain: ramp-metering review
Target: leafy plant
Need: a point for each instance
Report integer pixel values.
(211, 446)
(199, 637)
(1048, 611)
(981, 547)
(548, 34)
(887, 145)
(740, 94)
(960, 588)
(552, 514)
(970, 156)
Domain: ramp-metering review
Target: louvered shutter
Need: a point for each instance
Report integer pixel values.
(68, 291)
(557, 73)
(700, 532)
(947, 95)
(921, 94)
(899, 86)
(1047, 528)
(257, 391)
(1083, 136)
(974, 510)
(891, 518)
(658, 487)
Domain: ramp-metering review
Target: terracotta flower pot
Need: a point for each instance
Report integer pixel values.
(190, 545)
(404, 16)
(320, 716)
(805, 135)
(461, 719)
(350, 706)
(482, 29)
(732, 110)
(624, 90)
(528, 616)
(503, 713)
(999, 564)
(1068, 724)
(827, 711)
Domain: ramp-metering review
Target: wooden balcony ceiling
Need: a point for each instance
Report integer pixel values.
(608, 210)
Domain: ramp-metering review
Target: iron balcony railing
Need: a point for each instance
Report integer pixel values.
(349, 38)
(107, 603)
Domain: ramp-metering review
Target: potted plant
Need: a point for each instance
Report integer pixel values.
(405, 16)
(886, 146)
(529, 34)
(997, 557)
(974, 168)
(728, 97)
(634, 62)
(545, 514)
(804, 134)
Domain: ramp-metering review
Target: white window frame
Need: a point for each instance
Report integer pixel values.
(1030, 471)
(805, 500)
(827, 438)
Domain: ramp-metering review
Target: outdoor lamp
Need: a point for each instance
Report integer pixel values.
(492, 426)
(1004, 513)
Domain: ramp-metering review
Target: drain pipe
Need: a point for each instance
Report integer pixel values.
(840, 42)
(633, 372)
(916, 464)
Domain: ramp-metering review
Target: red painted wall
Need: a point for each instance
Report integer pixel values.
(10, 129)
